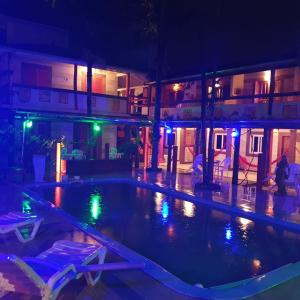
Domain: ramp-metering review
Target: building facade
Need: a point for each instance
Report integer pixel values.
(261, 101)
(63, 97)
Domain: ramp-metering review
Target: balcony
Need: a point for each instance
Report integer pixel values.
(67, 101)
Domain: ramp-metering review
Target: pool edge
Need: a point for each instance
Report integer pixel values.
(250, 288)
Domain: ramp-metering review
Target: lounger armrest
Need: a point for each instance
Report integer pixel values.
(109, 267)
(68, 271)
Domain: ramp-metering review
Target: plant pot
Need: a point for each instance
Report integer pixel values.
(39, 165)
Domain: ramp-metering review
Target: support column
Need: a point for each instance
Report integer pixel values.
(292, 150)
(197, 141)
(203, 127)
(271, 91)
(171, 140)
(128, 93)
(156, 128)
(236, 157)
(146, 148)
(89, 88)
(263, 167)
(161, 158)
(228, 142)
(75, 79)
(182, 145)
(210, 167)
(266, 149)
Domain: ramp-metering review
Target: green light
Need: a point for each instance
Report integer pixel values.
(95, 206)
(26, 208)
(28, 123)
(96, 127)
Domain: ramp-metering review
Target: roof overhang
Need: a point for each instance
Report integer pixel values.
(60, 117)
(275, 124)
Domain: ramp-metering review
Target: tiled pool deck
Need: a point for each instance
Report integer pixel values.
(244, 201)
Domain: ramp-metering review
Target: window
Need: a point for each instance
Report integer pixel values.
(261, 87)
(220, 141)
(256, 142)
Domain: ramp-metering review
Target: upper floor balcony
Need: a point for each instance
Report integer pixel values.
(270, 94)
(32, 82)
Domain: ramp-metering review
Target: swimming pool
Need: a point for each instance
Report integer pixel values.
(195, 243)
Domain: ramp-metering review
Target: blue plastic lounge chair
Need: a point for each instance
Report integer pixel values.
(15, 221)
(46, 274)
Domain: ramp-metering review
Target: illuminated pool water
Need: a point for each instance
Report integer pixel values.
(197, 244)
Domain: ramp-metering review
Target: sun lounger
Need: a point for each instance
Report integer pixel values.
(46, 274)
(15, 221)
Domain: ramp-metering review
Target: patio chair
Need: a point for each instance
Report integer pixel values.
(77, 154)
(46, 274)
(294, 178)
(15, 221)
(113, 153)
(197, 162)
(224, 166)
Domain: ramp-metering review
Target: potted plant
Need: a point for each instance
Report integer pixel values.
(40, 148)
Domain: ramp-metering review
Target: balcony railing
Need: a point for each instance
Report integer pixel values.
(285, 105)
(63, 101)
(138, 106)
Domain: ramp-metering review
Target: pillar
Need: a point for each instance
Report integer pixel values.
(146, 148)
(182, 145)
(203, 127)
(271, 91)
(128, 93)
(228, 142)
(236, 157)
(89, 88)
(75, 79)
(156, 127)
(197, 141)
(264, 163)
(292, 150)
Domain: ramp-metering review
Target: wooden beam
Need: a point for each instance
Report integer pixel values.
(89, 88)
(271, 92)
(236, 157)
(75, 78)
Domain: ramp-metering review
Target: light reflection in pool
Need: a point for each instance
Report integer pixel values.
(189, 209)
(95, 206)
(228, 232)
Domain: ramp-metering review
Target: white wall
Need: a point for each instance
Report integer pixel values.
(109, 135)
(62, 74)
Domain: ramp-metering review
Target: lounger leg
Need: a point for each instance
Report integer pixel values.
(90, 279)
(32, 235)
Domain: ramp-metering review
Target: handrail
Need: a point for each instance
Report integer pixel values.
(241, 97)
(68, 91)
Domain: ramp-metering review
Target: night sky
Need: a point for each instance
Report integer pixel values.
(199, 35)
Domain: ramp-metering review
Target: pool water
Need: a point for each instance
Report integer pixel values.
(195, 243)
